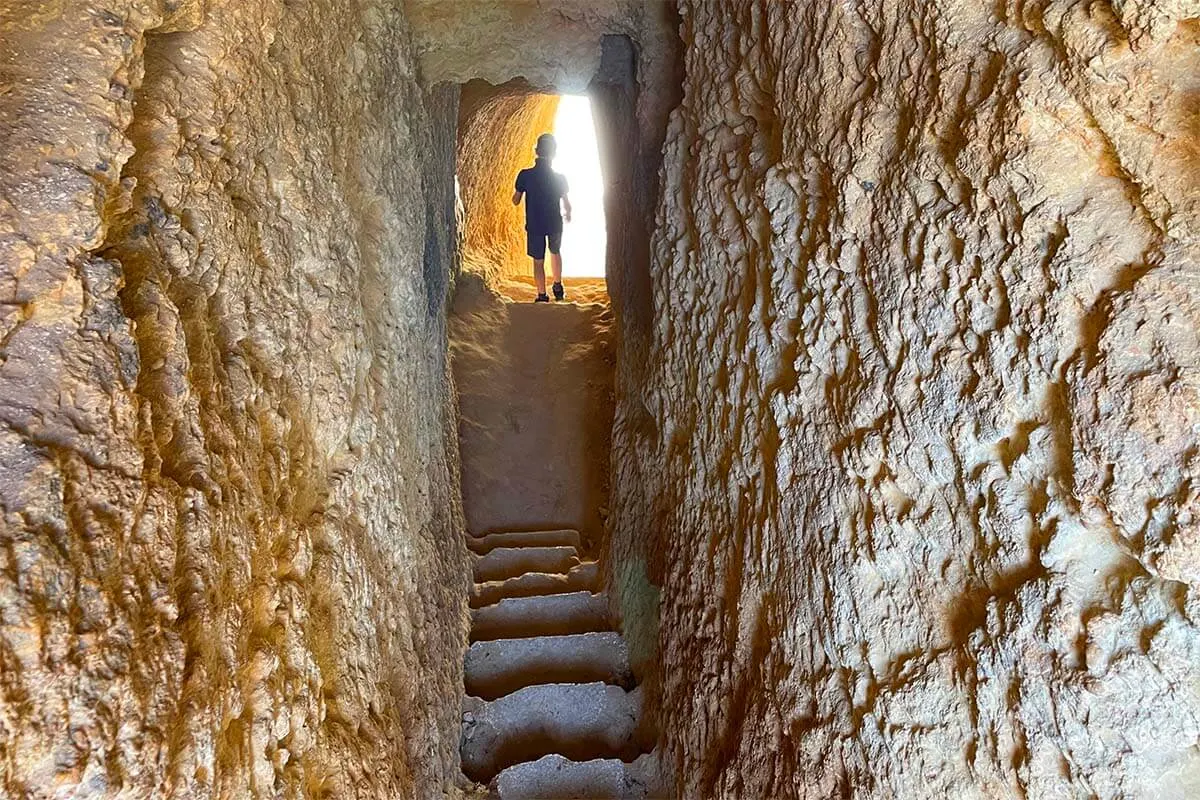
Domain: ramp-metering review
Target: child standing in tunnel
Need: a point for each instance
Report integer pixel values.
(543, 189)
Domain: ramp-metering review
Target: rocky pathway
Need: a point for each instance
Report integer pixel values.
(551, 712)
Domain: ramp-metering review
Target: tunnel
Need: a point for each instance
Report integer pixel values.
(866, 469)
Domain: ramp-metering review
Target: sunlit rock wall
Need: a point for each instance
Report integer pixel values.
(230, 561)
(926, 385)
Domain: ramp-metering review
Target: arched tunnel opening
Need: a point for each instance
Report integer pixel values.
(863, 467)
(497, 133)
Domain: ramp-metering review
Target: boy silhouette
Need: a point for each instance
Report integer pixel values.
(543, 189)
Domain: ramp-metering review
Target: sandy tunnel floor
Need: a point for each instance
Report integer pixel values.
(580, 291)
(535, 386)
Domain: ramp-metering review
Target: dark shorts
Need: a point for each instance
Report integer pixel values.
(537, 243)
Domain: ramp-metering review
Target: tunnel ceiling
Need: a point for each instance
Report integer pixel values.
(553, 45)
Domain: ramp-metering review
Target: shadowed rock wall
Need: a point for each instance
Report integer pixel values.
(231, 561)
(632, 96)
(925, 371)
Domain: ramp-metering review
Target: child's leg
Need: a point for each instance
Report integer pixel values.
(539, 274)
(555, 241)
(535, 246)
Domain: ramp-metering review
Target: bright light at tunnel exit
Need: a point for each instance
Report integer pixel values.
(579, 160)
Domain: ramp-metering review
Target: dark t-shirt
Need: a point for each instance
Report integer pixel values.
(542, 187)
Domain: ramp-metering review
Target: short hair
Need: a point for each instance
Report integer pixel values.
(546, 146)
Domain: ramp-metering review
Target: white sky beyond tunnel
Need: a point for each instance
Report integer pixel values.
(578, 158)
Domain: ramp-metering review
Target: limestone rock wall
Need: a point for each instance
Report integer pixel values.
(917, 468)
(230, 560)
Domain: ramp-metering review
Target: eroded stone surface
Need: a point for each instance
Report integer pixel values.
(549, 43)
(584, 576)
(914, 462)
(546, 615)
(483, 545)
(231, 560)
(503, 563)
(906, 417)
(556, 778)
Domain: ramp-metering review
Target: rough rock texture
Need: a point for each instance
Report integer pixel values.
(631, 116)
(556, 778)
(585, 576)
(552, 679)
(917, 468)
(498, 127)
(495, 668)
(577, 720)
(547, 43)
(230, 561)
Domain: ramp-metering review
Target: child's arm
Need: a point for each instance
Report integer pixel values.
(566, 208)
(519, 188)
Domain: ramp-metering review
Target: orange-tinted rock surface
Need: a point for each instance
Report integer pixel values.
(921, 410)
(905, 437)
(230, 560)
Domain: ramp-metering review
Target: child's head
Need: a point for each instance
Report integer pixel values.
(546, 146)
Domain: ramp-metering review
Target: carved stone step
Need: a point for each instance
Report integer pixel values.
(578, 721)
(548, 615)
(503, 666)
(483, 545)
(556, 778)
(585, 577)
(507, 562)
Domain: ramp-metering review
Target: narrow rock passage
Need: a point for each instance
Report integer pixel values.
(551, 712)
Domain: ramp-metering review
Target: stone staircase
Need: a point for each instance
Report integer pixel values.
(551, 711)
